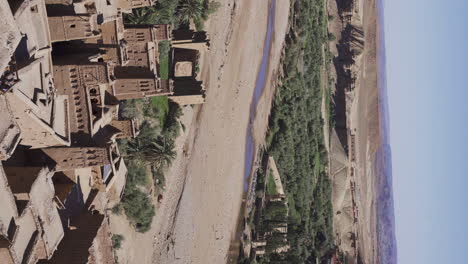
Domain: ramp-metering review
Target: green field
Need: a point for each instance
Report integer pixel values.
(271, 185)
(160, 105)
(164, 50)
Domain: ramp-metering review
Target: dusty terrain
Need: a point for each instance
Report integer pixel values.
(365, 118)
(198, 215)
(367, 136)
(354, 191)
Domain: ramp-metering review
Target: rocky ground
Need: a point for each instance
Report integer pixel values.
(354, 191)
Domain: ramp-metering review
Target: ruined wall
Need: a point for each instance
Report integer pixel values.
(126, 127)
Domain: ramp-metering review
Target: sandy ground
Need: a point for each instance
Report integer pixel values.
(365, 118)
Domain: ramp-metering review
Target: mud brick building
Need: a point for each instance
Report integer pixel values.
(65, 68)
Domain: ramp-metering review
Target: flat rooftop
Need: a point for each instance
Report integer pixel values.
(9, 34)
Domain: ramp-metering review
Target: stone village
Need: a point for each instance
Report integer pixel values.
(66, 66)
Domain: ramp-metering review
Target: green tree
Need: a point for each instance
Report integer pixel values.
(138, 208)
(134, 149)
(190, 10)
(158, 152)
(145, 15)
(117, 241)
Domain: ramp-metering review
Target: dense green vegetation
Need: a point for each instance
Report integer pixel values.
(271, 185)
(164, 48)
(175, 12)
(296, 139)
(147, 155)
(160, 105)
(152, 151)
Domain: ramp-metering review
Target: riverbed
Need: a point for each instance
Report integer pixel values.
(197, 218)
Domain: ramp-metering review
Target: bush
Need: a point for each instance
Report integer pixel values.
(158, 176)
(138, 208)
(117, 241)
(171, 127)
(153, 147)
(137, 174)
(271, 185)
(117, 210)
(163, 12)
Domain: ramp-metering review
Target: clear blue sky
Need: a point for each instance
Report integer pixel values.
(427, 73)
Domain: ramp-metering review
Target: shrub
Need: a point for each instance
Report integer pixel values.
(138, 208)
(117, 210)
(117, 241)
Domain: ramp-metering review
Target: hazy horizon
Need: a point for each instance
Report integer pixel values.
(426, 57)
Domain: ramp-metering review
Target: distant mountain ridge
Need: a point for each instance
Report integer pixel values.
(383, 162)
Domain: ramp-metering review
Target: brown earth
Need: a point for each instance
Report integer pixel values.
(363, 116)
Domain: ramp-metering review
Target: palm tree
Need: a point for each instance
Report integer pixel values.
(190, 10)
(160, 152)
(134, 149)
(157, 152)
(144, 15)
